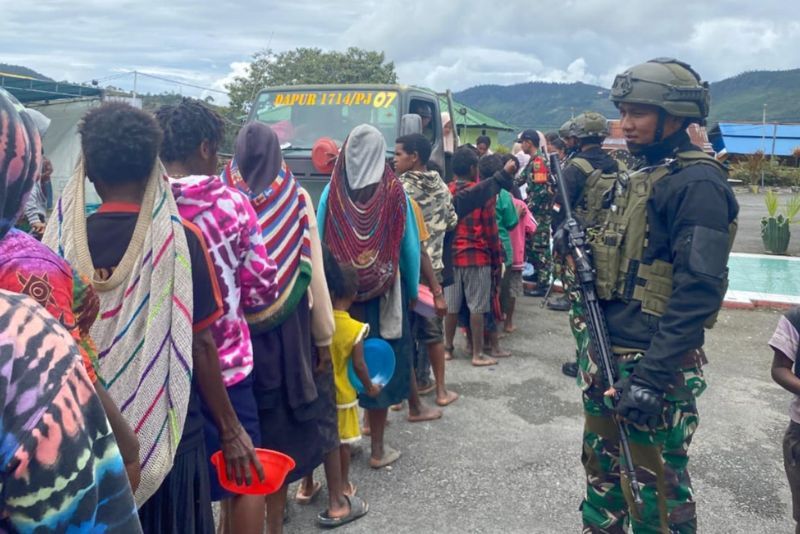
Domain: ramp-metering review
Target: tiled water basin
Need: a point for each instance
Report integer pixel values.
(758, 273)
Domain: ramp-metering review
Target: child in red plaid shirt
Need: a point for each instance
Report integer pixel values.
(477, 260)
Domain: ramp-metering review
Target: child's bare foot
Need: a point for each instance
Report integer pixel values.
(448, 397)
(390, 456)
(448, 353)
(483, 361)
(509, 329)
(397, 407)
(500, 353)
(424, 414)
(426, 388)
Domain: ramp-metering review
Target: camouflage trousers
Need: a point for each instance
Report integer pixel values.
(539, 254)
(564, 268)
(660, 457)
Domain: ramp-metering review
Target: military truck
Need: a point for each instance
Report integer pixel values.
(302, 115)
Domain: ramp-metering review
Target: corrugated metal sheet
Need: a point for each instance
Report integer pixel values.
(474, 118)
(748, 138)
(28, 89)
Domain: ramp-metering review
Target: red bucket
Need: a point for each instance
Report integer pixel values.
(276, 466)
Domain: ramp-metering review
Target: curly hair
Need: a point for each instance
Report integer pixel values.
(342, 278)
(120, 143)
(490, 164)
(186, 125)
(463, 161)
(416, 143)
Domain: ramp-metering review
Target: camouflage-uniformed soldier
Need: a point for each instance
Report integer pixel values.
(588, 176)
(660, 259)
(540, 203)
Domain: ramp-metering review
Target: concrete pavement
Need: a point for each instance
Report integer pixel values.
(506, 456)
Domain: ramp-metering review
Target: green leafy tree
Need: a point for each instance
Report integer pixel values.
(309, 66)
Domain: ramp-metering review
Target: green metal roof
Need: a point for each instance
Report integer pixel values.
(471, 118)
(27, 89)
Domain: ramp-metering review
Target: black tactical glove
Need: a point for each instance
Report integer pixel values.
(639, 402)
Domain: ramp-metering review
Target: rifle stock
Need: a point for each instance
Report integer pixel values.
(595, 320)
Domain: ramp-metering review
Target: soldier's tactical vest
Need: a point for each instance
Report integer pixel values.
(619, 243)
(590, 207)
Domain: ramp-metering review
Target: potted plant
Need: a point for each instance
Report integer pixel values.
(775, 226)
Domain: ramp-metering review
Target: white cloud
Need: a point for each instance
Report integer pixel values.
(238, 69)
(437, 43)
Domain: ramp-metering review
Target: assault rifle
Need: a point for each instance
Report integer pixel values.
(596, 321)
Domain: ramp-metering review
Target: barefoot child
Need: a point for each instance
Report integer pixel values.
(785, 344)
(412, 153)
(477, 260)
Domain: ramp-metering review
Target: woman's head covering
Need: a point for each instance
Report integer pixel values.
(450, 141)
(20, 159)
(366, 232)
(258, 154)
(365, 156)
(258, 171)
(410, 123)
(542, 142)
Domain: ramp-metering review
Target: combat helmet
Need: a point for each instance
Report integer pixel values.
(589, 124)
(565, 130)
(668, 83)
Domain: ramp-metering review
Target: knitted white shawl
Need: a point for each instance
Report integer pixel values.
(144, 329)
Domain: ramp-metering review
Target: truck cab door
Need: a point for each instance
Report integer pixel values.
(434, 130)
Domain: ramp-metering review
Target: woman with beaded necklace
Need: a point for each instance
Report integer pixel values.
(367, 221)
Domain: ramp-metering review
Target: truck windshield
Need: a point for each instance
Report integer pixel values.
(302, 117)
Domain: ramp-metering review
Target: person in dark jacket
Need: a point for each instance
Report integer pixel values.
(590, 166)
(661, 263)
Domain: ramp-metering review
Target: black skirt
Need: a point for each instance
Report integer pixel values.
(294, 431)
(328, 417)
(182, 503)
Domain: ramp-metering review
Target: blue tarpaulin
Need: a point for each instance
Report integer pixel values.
(748, 138)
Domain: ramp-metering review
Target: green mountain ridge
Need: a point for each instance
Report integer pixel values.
(19, 70)
(546, 106)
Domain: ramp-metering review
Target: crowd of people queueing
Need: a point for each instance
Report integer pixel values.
(208, 315)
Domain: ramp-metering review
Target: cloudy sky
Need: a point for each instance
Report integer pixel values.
(436, 43)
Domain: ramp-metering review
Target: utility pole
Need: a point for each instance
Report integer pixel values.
(135, 80)
(763, 140)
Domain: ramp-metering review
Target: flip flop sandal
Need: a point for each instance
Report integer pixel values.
(352, 490)
(302, 498)
(358, 509)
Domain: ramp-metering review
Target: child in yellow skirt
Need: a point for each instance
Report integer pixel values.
(348, 342)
